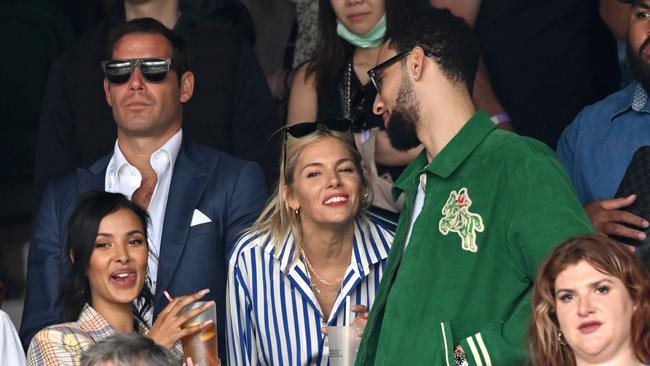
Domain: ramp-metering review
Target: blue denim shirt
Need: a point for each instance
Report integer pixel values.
(597, 146)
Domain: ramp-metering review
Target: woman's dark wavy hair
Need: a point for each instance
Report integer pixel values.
(90, 209)
(333, 52)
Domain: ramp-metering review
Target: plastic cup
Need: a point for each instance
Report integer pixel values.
(344, 344)
(202, 346)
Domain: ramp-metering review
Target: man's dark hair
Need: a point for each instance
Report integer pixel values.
(180, 51)
(448, 37)
(123, 349)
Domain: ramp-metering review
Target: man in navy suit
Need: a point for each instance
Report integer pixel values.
(199, 199)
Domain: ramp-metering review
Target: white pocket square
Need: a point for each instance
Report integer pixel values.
(199, 218)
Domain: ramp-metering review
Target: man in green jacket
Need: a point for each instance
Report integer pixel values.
(482, 208)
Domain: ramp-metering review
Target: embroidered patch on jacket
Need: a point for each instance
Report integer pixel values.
(457, 219)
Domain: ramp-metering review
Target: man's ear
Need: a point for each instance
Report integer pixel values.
(414, 67)
(186, 86)
(109, 101)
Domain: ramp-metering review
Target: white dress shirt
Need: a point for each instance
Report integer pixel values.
(11, 352)
(122, 177)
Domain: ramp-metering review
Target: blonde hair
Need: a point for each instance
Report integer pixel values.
(277, 217)
(607, 257)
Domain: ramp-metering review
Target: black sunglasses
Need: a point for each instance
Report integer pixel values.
(153, 69)
(376, 71)
(303, 129)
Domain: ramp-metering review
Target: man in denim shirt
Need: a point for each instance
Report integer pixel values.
(598, 146)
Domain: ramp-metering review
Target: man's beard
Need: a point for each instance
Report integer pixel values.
(401, 128)
(640, 68)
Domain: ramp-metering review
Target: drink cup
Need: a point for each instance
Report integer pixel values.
(344, 344)
(202, 346)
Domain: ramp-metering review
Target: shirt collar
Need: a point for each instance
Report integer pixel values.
(91, 322)
(369, 248)
(162, 160)
(637, 100)
(451, 156)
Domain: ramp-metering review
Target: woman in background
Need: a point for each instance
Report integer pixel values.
(335, 84)
(591, 306)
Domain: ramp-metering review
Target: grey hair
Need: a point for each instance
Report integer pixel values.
(124, 349)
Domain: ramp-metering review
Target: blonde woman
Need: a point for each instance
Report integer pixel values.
(311, 248)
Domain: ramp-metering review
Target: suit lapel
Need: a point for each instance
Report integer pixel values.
(191, 173)
(94, 177)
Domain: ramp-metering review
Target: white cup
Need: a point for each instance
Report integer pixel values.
(344, 344)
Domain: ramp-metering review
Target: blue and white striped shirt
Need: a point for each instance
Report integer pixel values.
(273, 315)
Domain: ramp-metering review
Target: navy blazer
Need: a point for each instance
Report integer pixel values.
(230, 191)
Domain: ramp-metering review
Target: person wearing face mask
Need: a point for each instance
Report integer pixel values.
(108, 251)
(591, 306)
(310, 253)
(334, 84)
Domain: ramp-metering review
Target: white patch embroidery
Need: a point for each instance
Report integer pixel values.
(457, 218)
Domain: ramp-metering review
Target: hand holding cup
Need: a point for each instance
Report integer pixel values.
(166, 330)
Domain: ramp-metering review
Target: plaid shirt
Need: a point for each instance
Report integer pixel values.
(62, 344)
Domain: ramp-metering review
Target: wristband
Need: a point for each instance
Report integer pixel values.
(500, 118)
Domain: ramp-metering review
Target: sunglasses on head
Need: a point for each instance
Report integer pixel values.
(152, 69)
(303, 129)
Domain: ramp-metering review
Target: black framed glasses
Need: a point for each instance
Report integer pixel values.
(153, 69)
(303, 129)
(376, 71)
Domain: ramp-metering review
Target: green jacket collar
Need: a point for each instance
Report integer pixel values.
(451, 156)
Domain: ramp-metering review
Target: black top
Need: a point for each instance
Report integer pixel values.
(547, 59)
(362, 98)
(333, 104)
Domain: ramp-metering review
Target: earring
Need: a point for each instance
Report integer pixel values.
(297, 211)
(560, 338)
(364, 200)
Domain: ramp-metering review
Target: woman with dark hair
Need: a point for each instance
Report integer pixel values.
(311, 252)
(335, 84)
(108, 250)
(591, 306)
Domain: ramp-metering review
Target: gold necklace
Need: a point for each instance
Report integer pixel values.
(310, 271)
